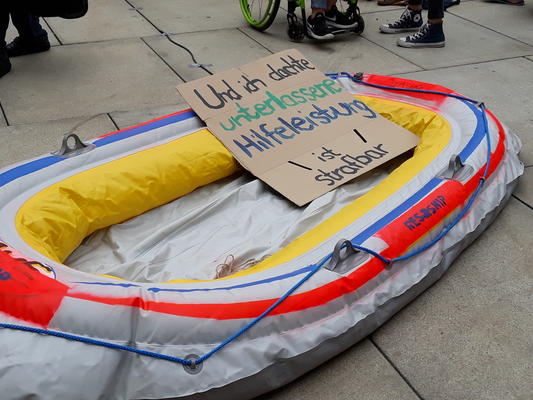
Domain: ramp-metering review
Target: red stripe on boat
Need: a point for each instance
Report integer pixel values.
(410, 84)
(27, 294)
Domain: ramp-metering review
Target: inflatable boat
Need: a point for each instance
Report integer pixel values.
(146, 264)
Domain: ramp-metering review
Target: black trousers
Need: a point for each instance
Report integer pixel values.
(4, 23)
(435, 8)
(27, 25)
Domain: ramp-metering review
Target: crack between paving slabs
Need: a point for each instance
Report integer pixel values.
(113, 121)
(523, 202)
(164, 61)
(404, 378)
(255, 40)
(51, 30)
(4, 114)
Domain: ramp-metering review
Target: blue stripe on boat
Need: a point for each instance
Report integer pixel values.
(35, 165)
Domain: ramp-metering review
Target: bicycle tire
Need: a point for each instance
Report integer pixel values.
(265, 19)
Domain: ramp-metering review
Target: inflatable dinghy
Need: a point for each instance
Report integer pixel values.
(185, 277)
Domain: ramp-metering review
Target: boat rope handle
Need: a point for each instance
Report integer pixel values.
(353, 249)
(72, 148)
(194, 363)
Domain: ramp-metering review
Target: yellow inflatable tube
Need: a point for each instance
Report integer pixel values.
(56, 220)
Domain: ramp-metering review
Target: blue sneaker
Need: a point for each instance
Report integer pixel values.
(430, 35)
(410, 20)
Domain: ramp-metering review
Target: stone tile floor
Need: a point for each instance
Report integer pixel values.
(467, 337)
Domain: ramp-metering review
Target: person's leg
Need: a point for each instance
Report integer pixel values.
(431, 34)
(414, 5)
(410, 20)
(27, 25)
(4, 23)
(331, 3)
(435, 11)
(5, 65)
(316, 23)
(32, 37)
(318, 7)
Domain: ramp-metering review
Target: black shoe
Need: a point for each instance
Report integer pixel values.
(339, 20)
(317, 27)
(5, 64)
(430, 35)
(410, 20)
(21, 47)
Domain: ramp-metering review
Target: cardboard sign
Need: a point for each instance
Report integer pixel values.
(294, 128)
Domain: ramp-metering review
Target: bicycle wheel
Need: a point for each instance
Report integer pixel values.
(259, 13)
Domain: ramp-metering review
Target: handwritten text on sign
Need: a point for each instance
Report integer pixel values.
(284, 120)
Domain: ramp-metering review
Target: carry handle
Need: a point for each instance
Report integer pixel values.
(72, 146)
(339, 257)
(457, 170)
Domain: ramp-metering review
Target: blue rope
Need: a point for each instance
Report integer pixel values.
(95, 342)
(266, 312)
(470, 202)
(372, 252)
(315, 268)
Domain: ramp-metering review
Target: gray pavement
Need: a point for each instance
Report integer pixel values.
(467, 337)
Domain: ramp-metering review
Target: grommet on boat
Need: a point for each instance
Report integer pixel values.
(192, 368)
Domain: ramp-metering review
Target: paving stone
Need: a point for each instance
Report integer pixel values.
(105, 20)
(469, 335)
(505, 86)
(497, 17)
(224, 49)
(344, 53)
(86, 79)
(12, 33)
(359, 373)
(22, 142)
(125, 119)
(3, 121)
(179, 16)
(524, 190)
(466, 42)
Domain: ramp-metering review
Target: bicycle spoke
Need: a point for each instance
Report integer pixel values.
(259, 13)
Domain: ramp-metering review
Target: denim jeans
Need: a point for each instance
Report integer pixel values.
(319, 3)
